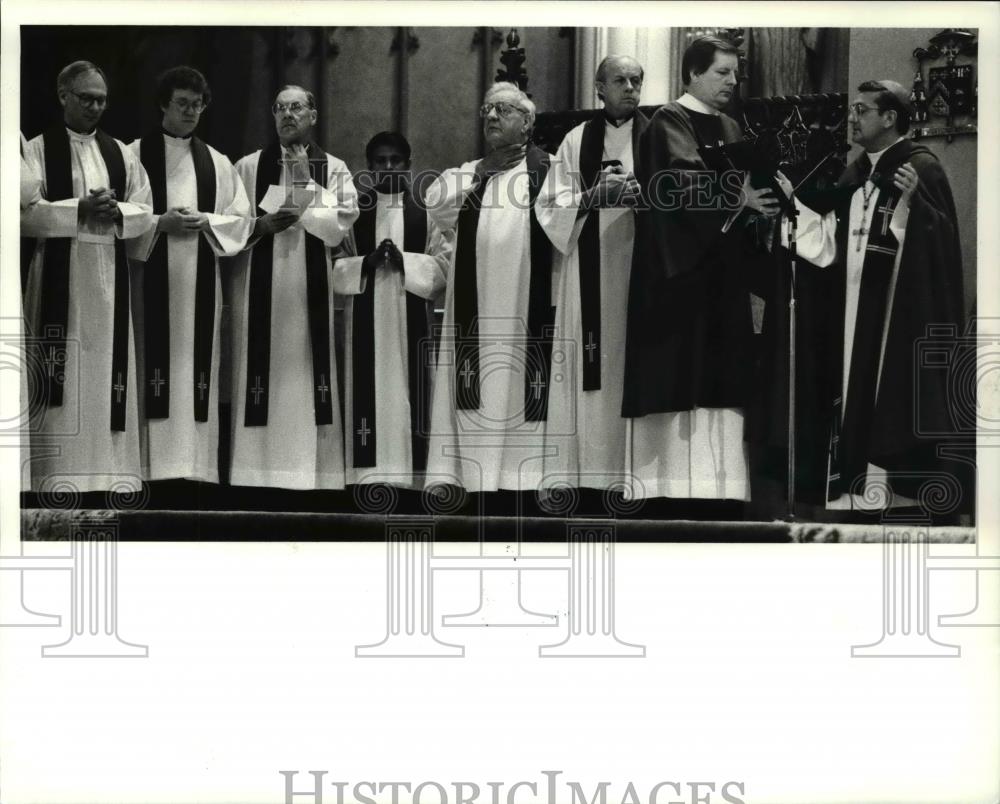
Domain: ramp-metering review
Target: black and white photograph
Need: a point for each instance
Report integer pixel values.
(361, 358)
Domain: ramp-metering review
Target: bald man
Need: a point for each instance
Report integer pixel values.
(586, 209)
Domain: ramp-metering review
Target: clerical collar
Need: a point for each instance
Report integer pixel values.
(689, 101)
(80, 135)
(878, 154)
(619, 123)
(175, 136)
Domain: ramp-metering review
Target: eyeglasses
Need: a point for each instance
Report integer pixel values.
(96, 101)
(502, 109)
(189, 106)
(859, 109)
(295, 108)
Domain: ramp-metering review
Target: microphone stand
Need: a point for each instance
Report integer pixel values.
(793, 216)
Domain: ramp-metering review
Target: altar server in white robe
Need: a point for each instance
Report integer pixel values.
(286, 425)
(201, 213)
(391, 266)
(585, 208)
(492, 375)
(95, 195)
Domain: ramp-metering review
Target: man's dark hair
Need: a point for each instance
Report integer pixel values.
(391, 138)
(181, 78)
(701, 53)
(890, 96)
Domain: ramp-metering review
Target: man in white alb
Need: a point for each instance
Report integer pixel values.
(201, 213)
(95, 195)
(286, 415)
(585, 208)
(492, 375)
(391, 265)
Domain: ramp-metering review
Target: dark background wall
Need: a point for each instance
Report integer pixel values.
(426, 82)
(430, 87)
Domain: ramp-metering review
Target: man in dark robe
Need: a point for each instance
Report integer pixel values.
(688, 340)
(886, 266)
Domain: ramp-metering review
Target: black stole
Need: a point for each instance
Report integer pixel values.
(259, 306)
(152, 153)
(852, 433)
(55, 275)
(363, 423)
(538, 348)
(589, 247)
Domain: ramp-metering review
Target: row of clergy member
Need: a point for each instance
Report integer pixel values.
(588, 340)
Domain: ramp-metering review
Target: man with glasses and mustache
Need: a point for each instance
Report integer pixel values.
(491, 380)
(888, 264)
(201, 213)
(95, 195)
(286, 425)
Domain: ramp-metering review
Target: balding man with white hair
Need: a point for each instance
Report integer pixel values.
(492, 376)
(286, 425)
(586, 209)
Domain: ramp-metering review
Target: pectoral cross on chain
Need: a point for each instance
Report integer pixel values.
(861, 231)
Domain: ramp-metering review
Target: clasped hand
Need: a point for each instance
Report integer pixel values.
(98, 206)
(387, 253)
(615, 188)
(181, 220)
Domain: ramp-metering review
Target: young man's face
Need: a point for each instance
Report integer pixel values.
(390, 168)
(181, 114)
